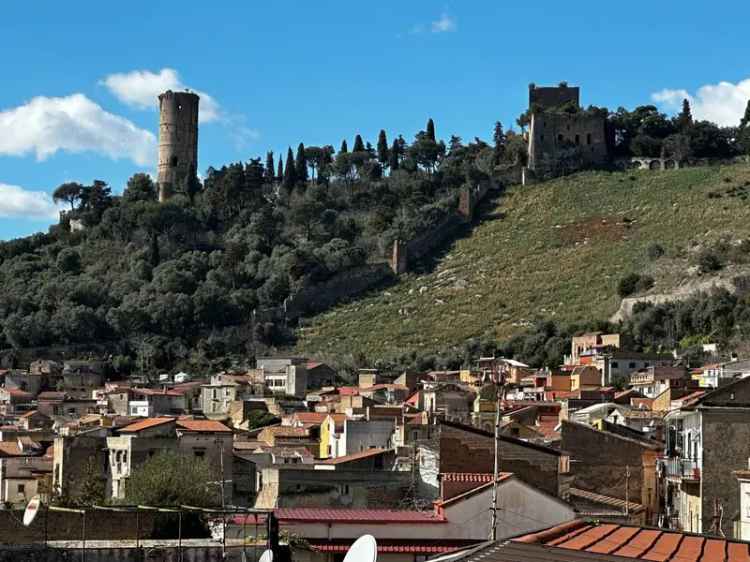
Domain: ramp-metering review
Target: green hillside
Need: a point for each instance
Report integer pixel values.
(555, 250)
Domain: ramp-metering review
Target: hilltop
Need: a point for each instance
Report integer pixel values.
(556, 250)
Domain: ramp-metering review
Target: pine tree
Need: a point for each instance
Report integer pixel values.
(685, 118)
(359, 146)
(344, 148)
(301, 164)
(382, 148)
(393, 160)
(270, 167)
(290, 174)
(498, 136)
(431, 130)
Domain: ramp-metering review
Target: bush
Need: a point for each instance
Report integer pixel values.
(628, 285)
(68, 261)
(709, 262)
(645, 282)
(655, 251)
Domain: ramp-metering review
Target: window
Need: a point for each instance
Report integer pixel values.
(578, 139)
(22, 488)
(559, 138)
(541, 137)
(631, 365)
(588, 138)
(614, 365)
(173, 161)
(199, 454)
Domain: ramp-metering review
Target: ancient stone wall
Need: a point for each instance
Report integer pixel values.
(178, 141)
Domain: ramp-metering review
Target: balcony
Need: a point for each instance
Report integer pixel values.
(682, 469)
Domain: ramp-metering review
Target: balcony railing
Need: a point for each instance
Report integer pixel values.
(687, 469)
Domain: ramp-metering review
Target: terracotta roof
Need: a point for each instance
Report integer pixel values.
(640, 543)
(287, 431)
(356, 456)
(385, 386)
(145, 424)
(502, 477)
(348, 391)
(156, 392)
(10, 449)
(466, 477)
(316, 418)
(18, 393)
(203, 426)
(343, 515)
(398, 546)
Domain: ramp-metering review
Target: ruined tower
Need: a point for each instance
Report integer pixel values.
(563, 136)
(178, 141)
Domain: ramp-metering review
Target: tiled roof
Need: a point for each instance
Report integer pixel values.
(205, 426)
(10, 449)
(348, 391)
(51, 395)
(343, 515)
(403, 546)
(356, 456)
(316, 418)
(481, 486)
(145, 424)
(640, 543)
(287, 431)
(466, 477)
(18, 393)
(157, 392)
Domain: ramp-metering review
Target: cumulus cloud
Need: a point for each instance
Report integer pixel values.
(140, 89)
(723, 103)
(17, 202)
(445, 24)
(46, 125)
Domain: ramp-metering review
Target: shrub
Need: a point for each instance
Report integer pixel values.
(645, 282)
(708, 262)
(655, 251)
(628, 285)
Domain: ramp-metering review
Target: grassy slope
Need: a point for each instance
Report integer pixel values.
(543, 253)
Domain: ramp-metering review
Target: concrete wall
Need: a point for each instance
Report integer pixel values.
(360, 435)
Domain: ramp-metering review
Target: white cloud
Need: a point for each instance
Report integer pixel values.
(445, 24)
(141, 88)
(723, 103)
(74, 123)
(18, 202)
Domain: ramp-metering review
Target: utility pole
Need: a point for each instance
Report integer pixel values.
(627, 491)
(499, 397)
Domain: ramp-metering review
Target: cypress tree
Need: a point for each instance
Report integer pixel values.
(685, 119)
(290, 174)
(382, 148)
(359, 146)
(270, 167)
(301, 164)
(393, 156)
(745, 121)
(343, 148)
(280, 173)
(431, 130)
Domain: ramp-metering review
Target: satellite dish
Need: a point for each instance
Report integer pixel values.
(32, 508)
(267, 556)
(364, 549)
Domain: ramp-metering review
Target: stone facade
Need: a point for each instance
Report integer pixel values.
(561, 141)
(178, 141)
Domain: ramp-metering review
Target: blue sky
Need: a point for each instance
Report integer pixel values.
(78, 76)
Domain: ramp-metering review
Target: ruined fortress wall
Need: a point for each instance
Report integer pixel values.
(554, 96)
(552, 134)
(178, 140)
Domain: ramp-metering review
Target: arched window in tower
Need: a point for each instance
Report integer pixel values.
(578, 140)
(588, 138)
(173, 161)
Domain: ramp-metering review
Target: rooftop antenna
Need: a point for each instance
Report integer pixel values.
(364, 549)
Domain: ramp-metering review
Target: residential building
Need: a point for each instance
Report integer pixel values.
(652, 381)
(707, 441)
(286, 375)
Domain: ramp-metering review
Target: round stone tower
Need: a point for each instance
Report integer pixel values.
(178, 141)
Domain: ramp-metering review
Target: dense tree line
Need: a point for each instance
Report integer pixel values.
(176, 283)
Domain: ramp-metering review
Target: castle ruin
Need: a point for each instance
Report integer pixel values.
(178, 141)
(563, 137)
